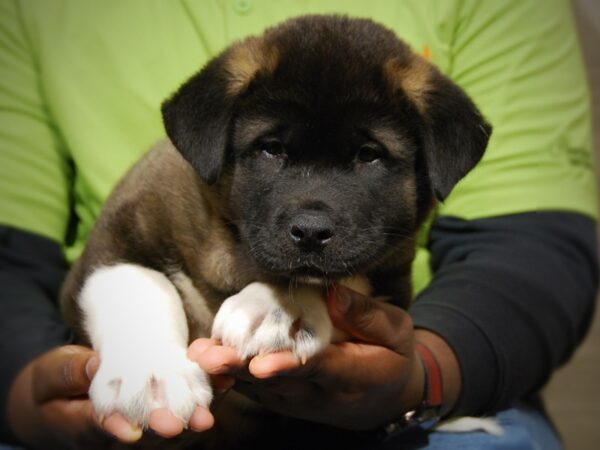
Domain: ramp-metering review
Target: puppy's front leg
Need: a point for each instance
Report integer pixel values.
(263, 318)
(135, 320)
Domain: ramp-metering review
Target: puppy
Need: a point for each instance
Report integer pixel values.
(294, 160)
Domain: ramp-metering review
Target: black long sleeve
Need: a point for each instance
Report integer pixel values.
(32, 269)
(513, 296)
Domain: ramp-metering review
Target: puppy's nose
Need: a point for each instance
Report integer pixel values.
(311, 230)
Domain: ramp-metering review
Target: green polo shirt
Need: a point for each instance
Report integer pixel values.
(81, 83)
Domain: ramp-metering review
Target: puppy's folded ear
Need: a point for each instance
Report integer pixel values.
(197, 117)
(455, 135)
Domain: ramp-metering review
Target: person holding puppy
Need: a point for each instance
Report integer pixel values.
(497, 245)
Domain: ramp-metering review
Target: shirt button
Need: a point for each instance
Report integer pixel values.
(242, 6)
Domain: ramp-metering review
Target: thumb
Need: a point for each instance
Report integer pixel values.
(369, 320)
(62, 373)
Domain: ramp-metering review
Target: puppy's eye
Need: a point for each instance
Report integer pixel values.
(271, 147)
(368, 153)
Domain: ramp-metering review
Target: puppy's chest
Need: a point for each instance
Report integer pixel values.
(215, 273)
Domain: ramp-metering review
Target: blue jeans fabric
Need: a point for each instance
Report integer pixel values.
(525, 428)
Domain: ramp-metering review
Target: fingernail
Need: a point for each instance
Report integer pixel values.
(133, 433)
(91, 365)
(117, 425)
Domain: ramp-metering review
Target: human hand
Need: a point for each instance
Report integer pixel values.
(360, 384)
(48, 405)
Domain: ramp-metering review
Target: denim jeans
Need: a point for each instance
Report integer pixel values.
(524, 428)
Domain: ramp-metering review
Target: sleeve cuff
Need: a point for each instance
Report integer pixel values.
(479, 368)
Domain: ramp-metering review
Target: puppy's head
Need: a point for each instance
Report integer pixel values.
(336, 139)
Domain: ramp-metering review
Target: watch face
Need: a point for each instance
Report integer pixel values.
(426, 414)
(423, 417)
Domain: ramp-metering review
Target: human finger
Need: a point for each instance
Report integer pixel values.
(272, 364)
(164, 423)
(201, 419)
(215, 359)
(61, 373)
(370, 321)
(199, 346)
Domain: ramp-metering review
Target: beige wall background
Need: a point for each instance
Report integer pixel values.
(573, 396)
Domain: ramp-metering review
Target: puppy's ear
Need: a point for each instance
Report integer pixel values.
(198, 116)
(455, 134)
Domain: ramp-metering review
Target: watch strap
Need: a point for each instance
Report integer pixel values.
(427, 414)
(433, 394)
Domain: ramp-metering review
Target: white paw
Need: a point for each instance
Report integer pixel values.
(262, 319)
(136, 383)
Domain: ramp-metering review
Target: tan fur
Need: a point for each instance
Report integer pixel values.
(219, 263)
(246, 59)
(411, 75)
(392, 141)
(358, 283)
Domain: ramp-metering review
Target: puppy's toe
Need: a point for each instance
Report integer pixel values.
(186, 389)
(136, 387)
(308, 343)
(273, 334)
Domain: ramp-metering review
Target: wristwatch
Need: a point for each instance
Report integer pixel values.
(427, 414)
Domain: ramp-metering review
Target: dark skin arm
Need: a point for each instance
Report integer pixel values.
(362, 384)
